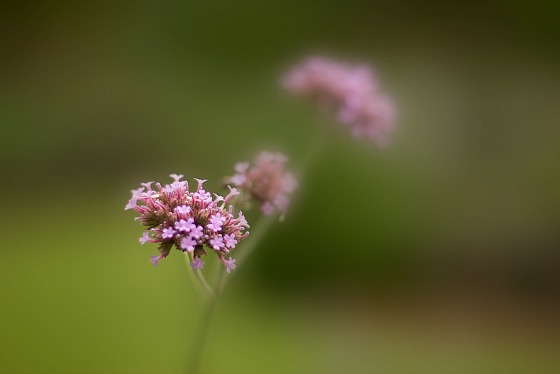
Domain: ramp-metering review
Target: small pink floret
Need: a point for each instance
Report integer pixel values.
(229, 240)
(242, 220)
(183, 209)
(238, 179)
(217, 243)
(155, 259)
(267, 208)
(241, 167)
(197, 264)
(144, 238)
(188, 244)
(229, 264)
(185, 225)
(168, 233)
(197, 232)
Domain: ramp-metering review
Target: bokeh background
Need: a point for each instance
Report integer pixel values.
(439, 254)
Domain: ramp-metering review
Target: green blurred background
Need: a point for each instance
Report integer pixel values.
(439, 254)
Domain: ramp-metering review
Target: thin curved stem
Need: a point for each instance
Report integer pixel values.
(199, 278)
(264, 224)
(202, 335)
(257, 234)
(212, 303)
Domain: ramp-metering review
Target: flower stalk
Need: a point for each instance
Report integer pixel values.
(193, 221)
(199, 279)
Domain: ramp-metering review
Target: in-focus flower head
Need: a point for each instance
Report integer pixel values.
(187, 220)
(349, 92)
(267, 181)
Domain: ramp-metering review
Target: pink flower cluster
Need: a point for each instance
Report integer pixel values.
(349, 91)
(267, 181)
(175, 216)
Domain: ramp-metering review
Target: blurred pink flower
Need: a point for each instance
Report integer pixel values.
(229, 264)
(347, 91)
(197, 264)
(175, 216)
(267, 181)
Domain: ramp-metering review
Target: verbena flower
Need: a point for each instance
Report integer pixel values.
(188, 220)
(267, 181)
(347, 91)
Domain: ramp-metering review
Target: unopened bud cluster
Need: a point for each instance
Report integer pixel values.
(188, 220)
(266, 180)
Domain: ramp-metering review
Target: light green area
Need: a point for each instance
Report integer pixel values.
(82, 297)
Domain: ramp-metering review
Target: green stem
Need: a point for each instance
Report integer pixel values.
(210, 308)
(264, 224)
(199, 277)
(257, 234)
(202, 335)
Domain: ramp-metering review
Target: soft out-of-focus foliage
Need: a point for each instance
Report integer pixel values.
(436, 255)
